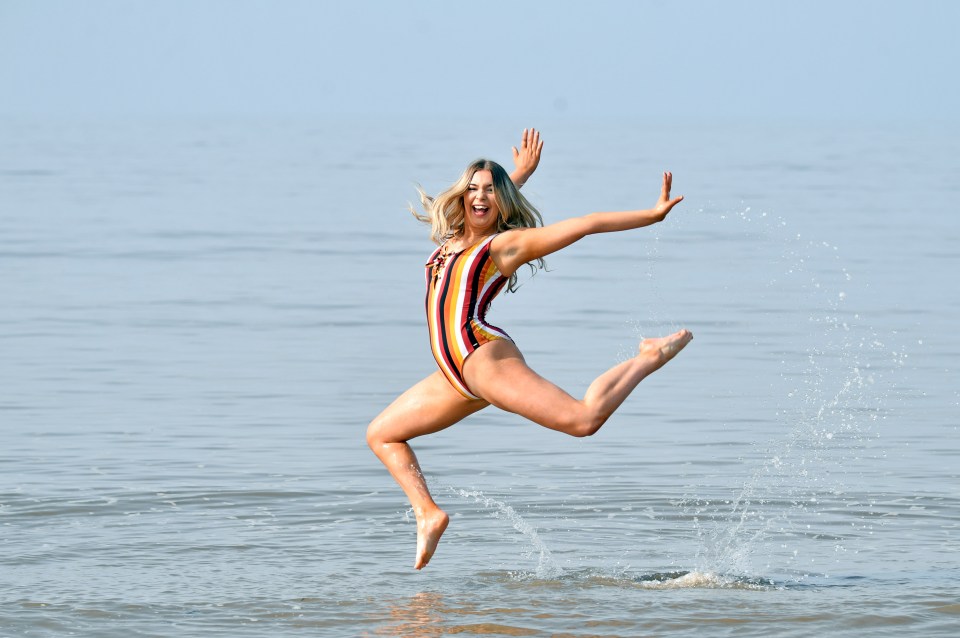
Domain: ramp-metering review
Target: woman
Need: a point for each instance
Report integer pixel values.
(487, 230)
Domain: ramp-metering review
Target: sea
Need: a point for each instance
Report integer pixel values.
(199, 316)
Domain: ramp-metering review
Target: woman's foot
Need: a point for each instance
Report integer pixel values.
(430, 526)
(662, 349)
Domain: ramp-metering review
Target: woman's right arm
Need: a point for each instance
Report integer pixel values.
(515, 248)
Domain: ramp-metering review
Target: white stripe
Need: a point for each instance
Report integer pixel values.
(461, 296)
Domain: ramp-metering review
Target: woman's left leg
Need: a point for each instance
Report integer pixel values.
(498, 373)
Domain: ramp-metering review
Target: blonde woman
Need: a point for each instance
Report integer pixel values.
(487, 230)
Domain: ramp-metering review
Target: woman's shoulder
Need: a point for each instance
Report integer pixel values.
(506, 238)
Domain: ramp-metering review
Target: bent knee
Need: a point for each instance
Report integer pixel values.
(584, 425)
(375, 435)
(590, 427)
(383, 431)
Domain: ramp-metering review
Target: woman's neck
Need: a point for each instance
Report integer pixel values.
(468, 238)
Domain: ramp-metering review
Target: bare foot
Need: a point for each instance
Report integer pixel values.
(662, 349)
(430, 526)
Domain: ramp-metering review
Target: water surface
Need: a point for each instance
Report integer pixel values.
(199, 319)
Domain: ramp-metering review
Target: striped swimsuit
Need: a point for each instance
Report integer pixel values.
(460, 287)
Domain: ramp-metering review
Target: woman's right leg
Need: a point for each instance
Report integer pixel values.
(429, 406)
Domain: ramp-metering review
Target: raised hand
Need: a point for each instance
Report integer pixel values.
(665, 204)
(527, 157)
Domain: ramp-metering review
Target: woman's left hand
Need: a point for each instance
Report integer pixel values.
(665, 204)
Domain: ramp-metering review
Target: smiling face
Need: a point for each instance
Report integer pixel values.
(480, 203)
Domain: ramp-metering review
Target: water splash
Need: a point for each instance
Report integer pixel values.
(701, 580)
(654, 581)
(832, 397)
(547, 567)
(796, 474)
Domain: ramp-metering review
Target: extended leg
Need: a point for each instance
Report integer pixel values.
(427, 407)
(498, 373)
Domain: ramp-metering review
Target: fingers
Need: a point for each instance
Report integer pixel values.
(535, 142)
(665, 202)
(667, 185)
(530, 141)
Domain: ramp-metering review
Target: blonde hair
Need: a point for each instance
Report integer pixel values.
(445, 212)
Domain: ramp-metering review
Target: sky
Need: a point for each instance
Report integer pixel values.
(815, 59)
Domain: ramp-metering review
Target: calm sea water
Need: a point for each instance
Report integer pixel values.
(198, 320)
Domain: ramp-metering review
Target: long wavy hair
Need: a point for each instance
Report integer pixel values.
(445, 212)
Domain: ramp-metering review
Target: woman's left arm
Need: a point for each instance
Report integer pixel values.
(527, 157)
(512, 249)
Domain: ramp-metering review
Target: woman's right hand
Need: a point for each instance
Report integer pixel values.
(527, 157)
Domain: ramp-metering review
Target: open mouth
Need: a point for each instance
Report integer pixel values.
(480, 210)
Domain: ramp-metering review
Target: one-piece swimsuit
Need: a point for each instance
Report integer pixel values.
(460, 287)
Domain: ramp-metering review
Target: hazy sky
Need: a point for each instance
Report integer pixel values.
(868, 59)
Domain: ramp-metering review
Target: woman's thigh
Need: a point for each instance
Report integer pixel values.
(429, 406)
(498, 372)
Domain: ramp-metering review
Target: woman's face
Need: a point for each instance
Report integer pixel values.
(480, 203)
